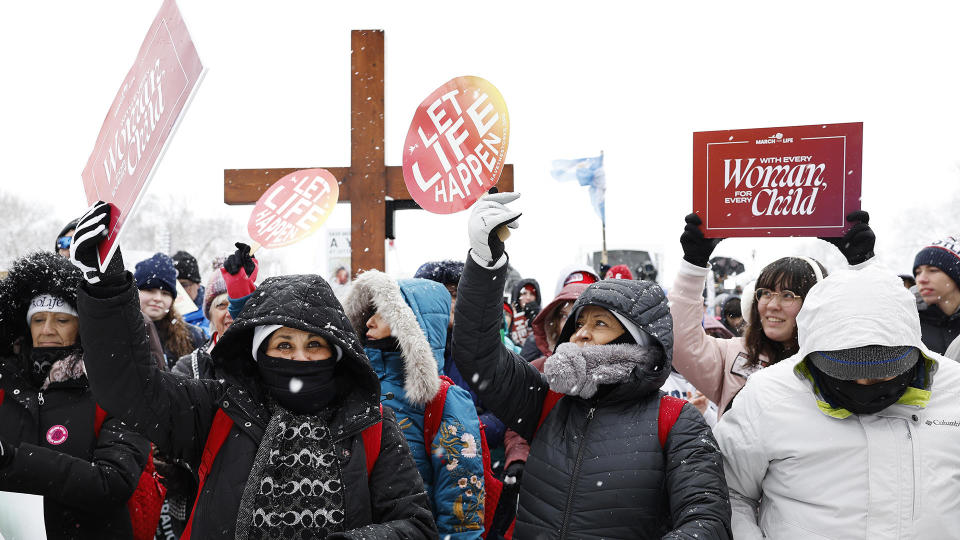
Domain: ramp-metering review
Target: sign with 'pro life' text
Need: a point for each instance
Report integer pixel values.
(780, 181)
(456, 146)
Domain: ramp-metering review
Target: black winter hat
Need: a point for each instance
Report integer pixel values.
(157, 272)
(30, 276)
(187, 267)
(445, 272)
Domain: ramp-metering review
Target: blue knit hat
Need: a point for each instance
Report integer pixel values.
(157, 272)
(944, 254)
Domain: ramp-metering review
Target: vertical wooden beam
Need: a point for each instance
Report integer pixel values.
(368, 173)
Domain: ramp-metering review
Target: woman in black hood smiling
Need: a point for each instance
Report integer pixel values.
(298, 392)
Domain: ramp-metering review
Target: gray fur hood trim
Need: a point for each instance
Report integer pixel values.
(373, 291)
(579, 371)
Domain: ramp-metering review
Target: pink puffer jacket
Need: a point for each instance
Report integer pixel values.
(717, 367)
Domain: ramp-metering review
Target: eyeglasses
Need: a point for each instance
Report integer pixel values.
(787, 298)
(64, 242)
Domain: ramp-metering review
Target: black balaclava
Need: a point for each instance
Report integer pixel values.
(863, 398)
(41, 359)
(302, 387)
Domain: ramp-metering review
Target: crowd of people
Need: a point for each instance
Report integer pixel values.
(162, 403)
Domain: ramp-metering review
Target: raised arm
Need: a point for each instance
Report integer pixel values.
(507, 385)
(697, 356)
(173, 413)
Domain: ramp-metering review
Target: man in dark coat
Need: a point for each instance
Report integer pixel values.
(284, 409)
(596, 468)
(48, 442)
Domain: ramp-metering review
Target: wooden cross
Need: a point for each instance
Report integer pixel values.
(368, 182)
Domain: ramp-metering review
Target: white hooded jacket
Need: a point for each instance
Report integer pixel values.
(798, 468)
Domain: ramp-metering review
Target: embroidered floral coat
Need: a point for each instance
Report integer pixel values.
(418, 312)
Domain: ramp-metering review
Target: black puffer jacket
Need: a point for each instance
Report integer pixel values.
(85, 479)
(937, 329)
(596, 468)
(177, 413)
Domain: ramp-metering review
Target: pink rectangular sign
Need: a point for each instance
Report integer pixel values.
(145, 112)
(779, 181)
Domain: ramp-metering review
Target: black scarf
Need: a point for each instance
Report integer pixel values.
(387, 344)
(295, 486)
(863, 398)
(302, 387)
(41, 359)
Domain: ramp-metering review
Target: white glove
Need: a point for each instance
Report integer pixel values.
(487, 216)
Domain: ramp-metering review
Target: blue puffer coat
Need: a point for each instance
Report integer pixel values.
(418, 312)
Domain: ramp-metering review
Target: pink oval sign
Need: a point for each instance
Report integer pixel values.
(293, 208)
(456, 145)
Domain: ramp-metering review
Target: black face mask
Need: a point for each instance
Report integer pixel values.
(387, 344)
(42, 359)
(864, 398)
(302, 387)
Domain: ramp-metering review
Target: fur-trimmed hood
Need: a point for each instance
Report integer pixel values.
(38, 273)
(418, 312)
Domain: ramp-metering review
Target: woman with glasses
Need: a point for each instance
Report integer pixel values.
(720, 367)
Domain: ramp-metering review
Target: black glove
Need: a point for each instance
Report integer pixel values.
(91, 231)
(513, 473)
(696, 248)
(857, 244)
(240, 258)
(7, 453)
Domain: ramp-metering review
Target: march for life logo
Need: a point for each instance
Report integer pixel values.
(456, 145)
(781, 181)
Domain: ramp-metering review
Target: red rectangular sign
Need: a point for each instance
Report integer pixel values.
(779, 181)
(143, 115)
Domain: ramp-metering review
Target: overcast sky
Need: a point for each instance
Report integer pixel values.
(631, 80)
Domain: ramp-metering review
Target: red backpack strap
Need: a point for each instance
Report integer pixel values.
(218, 434)
(101, 415)
(548, 404)
(434, 412)
(670, 408)
(2, 392)
(371, 442)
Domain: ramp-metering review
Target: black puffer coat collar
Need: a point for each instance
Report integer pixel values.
(642, 303)
(307, 303)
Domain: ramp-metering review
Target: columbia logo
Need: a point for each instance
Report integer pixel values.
(954, 423)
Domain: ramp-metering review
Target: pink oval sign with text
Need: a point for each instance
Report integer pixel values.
(456, 145)
(293, 208)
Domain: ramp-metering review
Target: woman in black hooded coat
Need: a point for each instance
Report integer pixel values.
(598, 465)
(294, 423)
(48, 444)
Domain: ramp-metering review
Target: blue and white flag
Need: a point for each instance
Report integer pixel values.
(588, 172)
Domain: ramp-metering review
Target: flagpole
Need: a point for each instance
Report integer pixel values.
(603, 228)
(603, 256)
